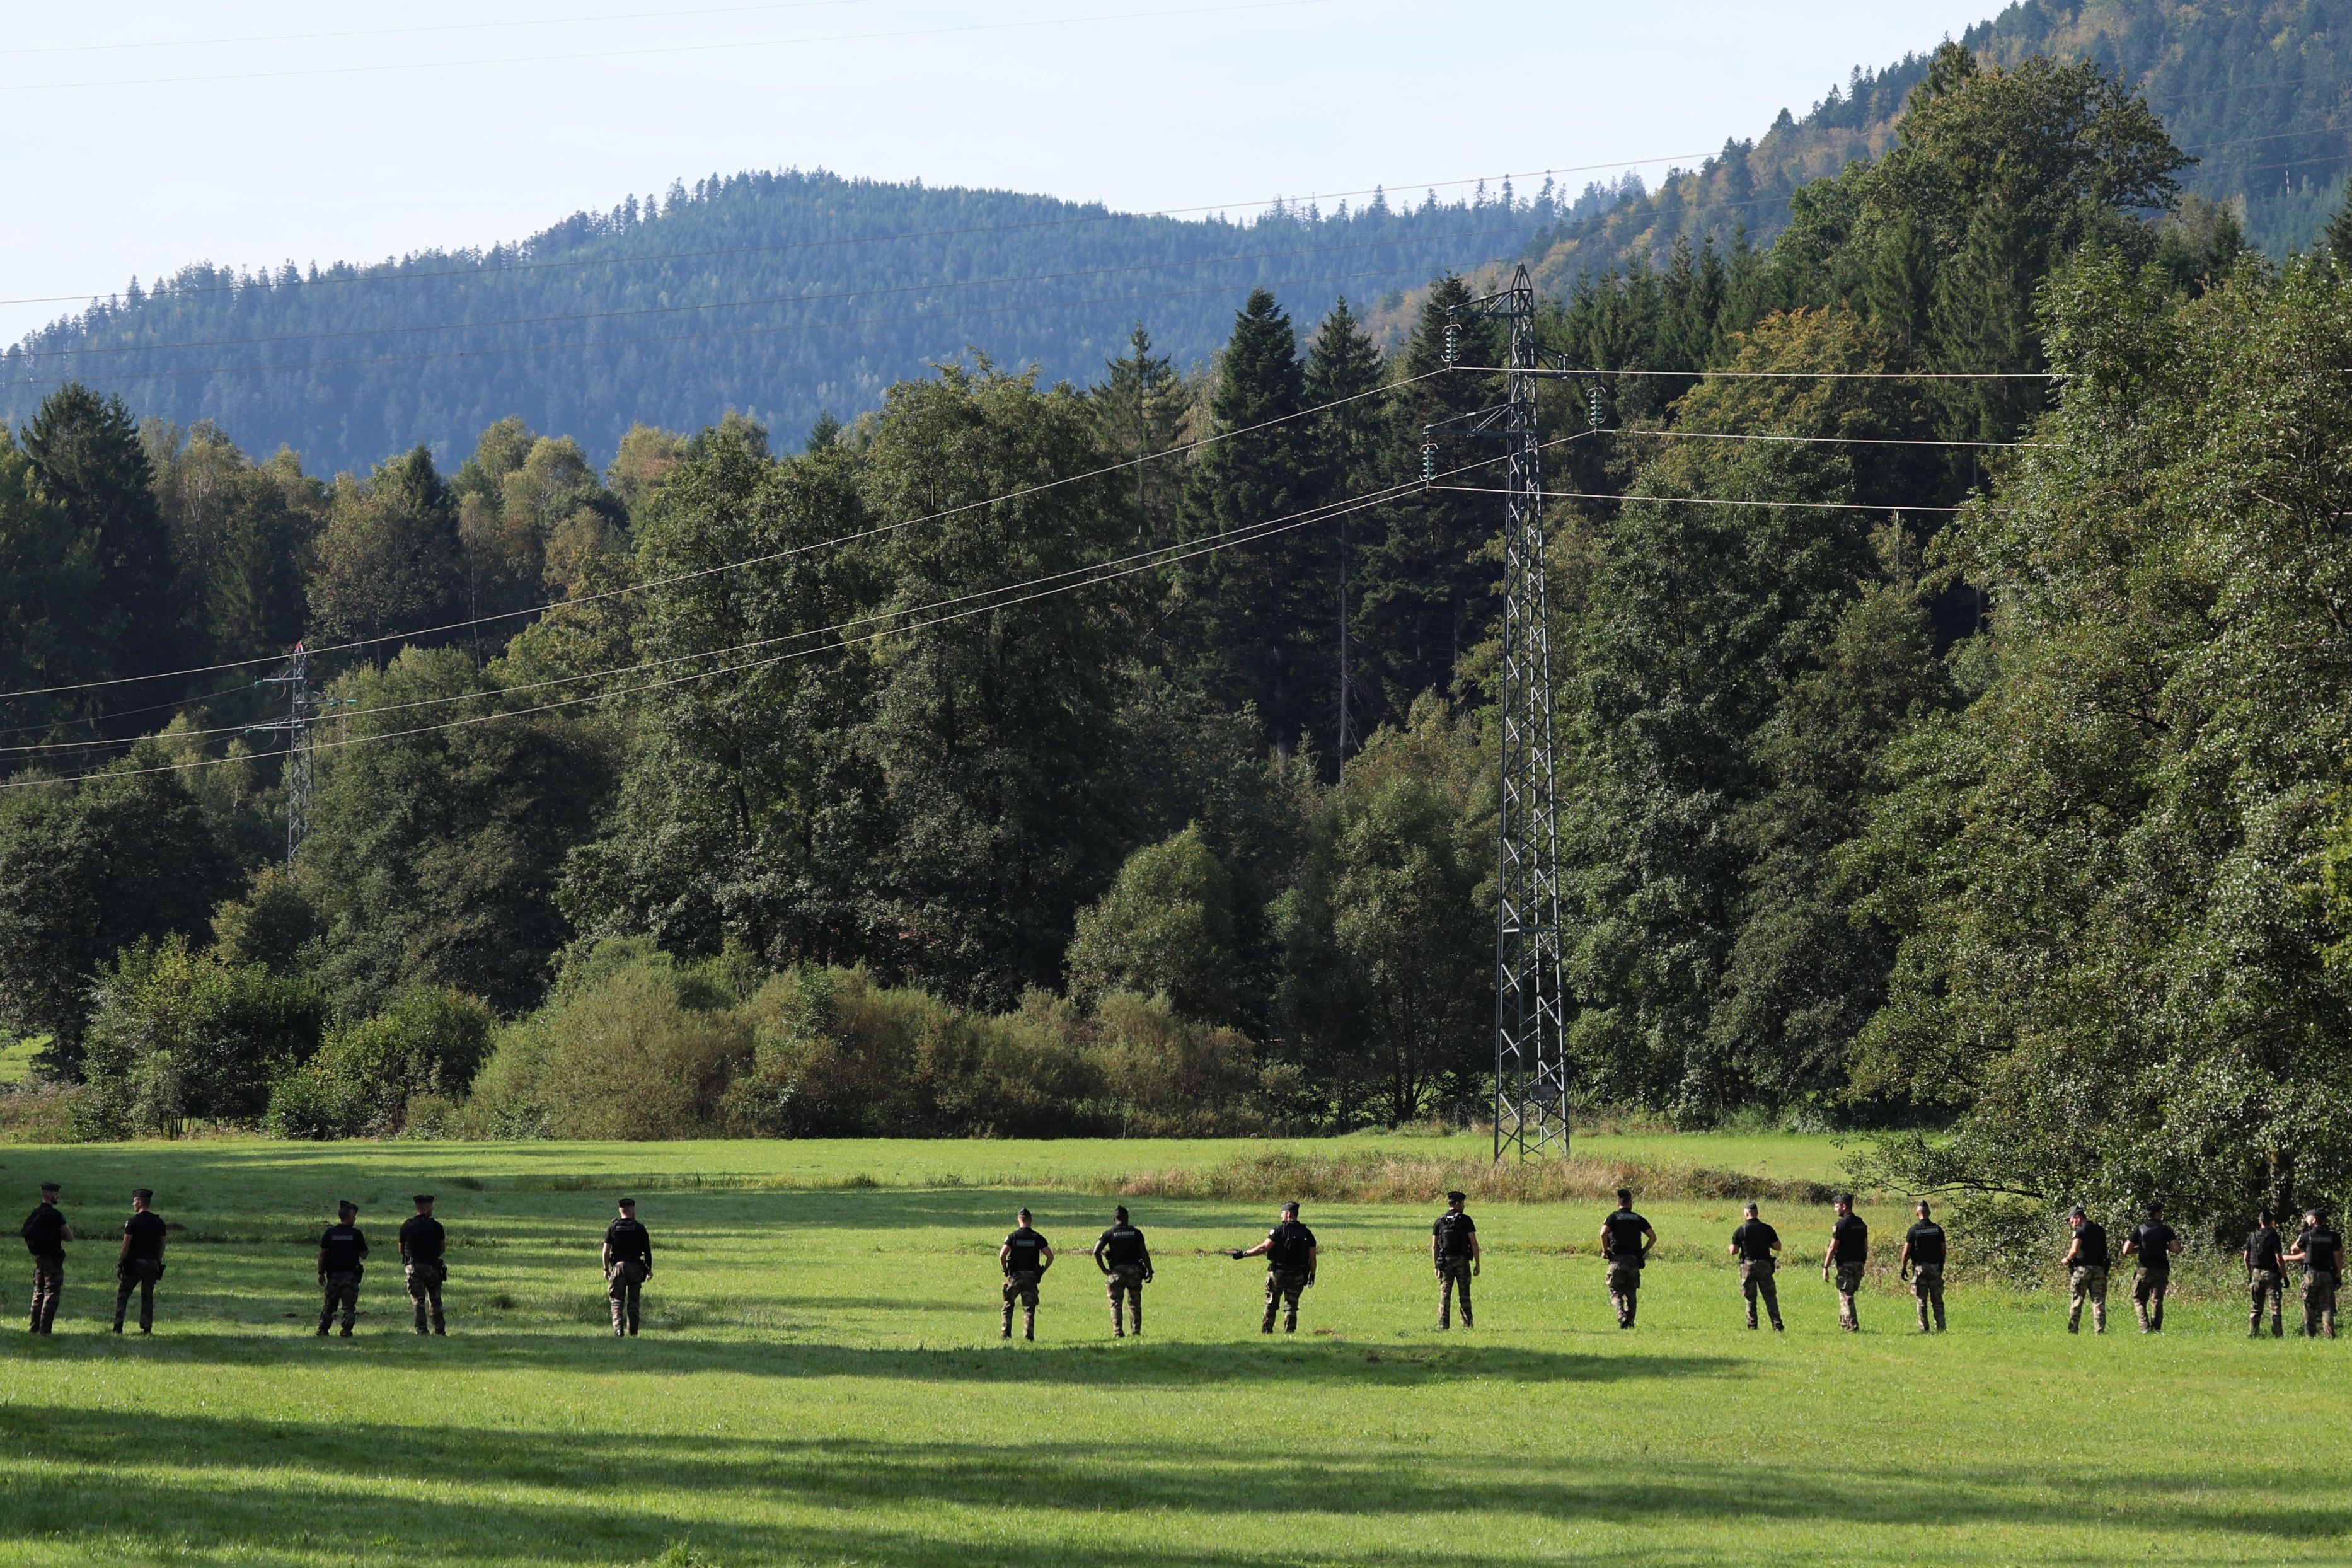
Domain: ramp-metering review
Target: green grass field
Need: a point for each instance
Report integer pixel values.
(819, 1381)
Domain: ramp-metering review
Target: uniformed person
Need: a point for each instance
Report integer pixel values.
(1453, 1247)
(140, 1264)
(627, 1259)
(1848, 1254)
(2265, 1257)
(1625, 1242)
(2153, 1242)
(1921, 1261)
(1754, 1243)
(342, 1261)
(2086, 1271)
(2320, 1250)
(46, 1234)
(1125, 1262)
(1291, 1254)
(424, 1247)
(1024, 1257)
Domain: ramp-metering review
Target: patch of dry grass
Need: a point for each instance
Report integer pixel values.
(1374, 1177)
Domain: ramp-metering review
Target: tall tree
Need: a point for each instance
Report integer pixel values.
(1344, 375)
(389, 559)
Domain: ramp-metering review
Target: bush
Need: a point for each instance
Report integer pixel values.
(430, 1042)
(180, 1035)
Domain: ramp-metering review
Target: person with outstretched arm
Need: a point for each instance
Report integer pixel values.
(1291, 1254)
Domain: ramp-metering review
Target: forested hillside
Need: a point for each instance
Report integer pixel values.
(784, 296)
(1950, 611)
(2255, 91)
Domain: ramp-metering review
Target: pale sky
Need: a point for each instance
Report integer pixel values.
(262, 148)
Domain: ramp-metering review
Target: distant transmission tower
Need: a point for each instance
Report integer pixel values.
(301, 712)
(1530, 1000)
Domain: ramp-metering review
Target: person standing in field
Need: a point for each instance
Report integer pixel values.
(2266, 1277)
(1626, 1239)
(1024, 1257)
(46, 1234)
(2154, 1243)
(423, 1246)
(1849, 1254)
(1922, 1262)
(1754, 1243)
(2087, 1272)
(1454, 1247)
(140, 1264)
(1291, 1255)
(2320, 1250)
(343, 1262)
(1125, 1262)
(627, 1259)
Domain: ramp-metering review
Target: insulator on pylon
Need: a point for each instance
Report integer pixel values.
(1429, 463)
(1453, 341)
(1592, 412)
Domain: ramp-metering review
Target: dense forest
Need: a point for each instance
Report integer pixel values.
(787, 295)
(1951, 626)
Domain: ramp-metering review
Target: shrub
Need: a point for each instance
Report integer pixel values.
(428, 1042)
(179, 1035)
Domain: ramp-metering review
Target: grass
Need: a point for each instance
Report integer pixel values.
(819, 1383)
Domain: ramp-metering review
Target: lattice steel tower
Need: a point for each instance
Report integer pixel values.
(1530, 1003)
(301, 712)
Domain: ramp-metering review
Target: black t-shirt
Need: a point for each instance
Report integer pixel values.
(1121, 1246)
(424, 1239)
(1453, 1232)
(45, 1232)
(1025, 1249)
(342, 1249)
(2263, 1249)
(1625, 1228)
(1756, 1241)
(1291, 1243)
(1850, 1240)
(2319, 1249)
(2090, 1245)
(1926, 1239)
(2153, 1239)
(144, 1230)
(627, 1241)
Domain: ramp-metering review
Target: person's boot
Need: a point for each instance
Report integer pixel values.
(322, 1330)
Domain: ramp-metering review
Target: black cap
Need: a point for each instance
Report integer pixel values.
(1457, 1198)
(48, 1187)
(627, 1204)
(2154, 1209)
(1290, 1207)
(2077, 1213)
(422, 1198)
(145, 1194)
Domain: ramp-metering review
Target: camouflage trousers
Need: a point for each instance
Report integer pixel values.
(1849, 1286)
(341, 1291)
(1282, 1289)
(1928, 1292)
(139, 1275)
(624, 1285)
(2086, 1284)
(1124, 1286)
(1021, 1285)
(49, 1285)
(2148, 1286)
(424, 1281)
(2319, 1304)
(2266, 1286)
(1625, 1291)
(1452, 1276)
(1756, 1278)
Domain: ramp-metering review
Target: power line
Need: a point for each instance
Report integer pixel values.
(644, 53)
(1577, 374)
(1021, 493)
(1707, 500)
(1128, 566)
(28, 354)
(1813, 440)
(402, 32)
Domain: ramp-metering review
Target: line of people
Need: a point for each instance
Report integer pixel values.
(1292, 1254)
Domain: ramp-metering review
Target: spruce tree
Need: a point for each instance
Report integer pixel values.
(1350, 434)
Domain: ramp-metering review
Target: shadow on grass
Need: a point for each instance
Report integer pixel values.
(1096, 1363)
(264, 1486)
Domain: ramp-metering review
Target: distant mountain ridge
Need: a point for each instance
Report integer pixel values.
(2257, 89)
(788, 294)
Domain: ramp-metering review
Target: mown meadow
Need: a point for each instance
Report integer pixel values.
(820, 1380)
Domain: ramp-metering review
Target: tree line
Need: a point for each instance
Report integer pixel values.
(1971, 767)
